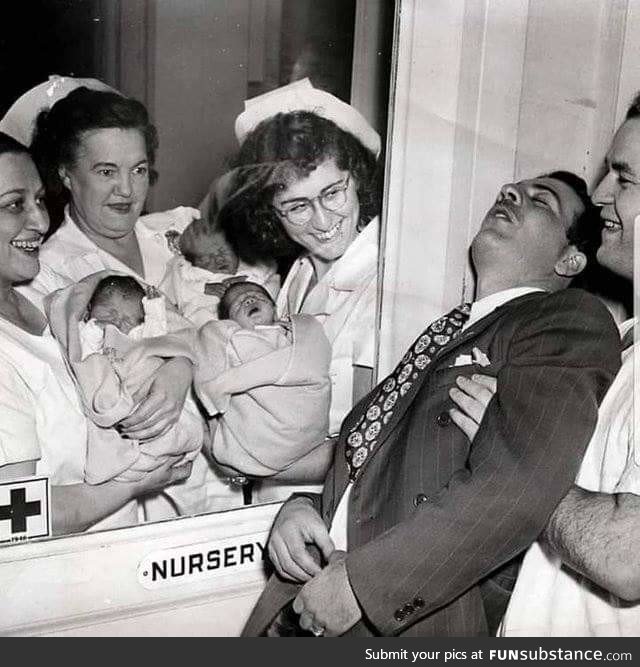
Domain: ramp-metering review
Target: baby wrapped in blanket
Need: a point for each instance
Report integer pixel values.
(204, 260)
(116, 337)
(264, 383)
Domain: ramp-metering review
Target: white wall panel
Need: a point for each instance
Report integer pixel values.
(489, 91)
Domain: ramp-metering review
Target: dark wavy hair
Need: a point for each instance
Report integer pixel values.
(303, 140)
(59, 131)
(584, 231)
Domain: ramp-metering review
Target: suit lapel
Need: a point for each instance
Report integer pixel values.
(475, 330)
(481, 325)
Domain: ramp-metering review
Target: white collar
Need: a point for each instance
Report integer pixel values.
(73, 233)
(488, 304)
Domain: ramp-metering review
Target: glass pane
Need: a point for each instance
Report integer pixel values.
(192, 65)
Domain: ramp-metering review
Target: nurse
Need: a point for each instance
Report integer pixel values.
(96, 150)
(307, 188)
(42, 427)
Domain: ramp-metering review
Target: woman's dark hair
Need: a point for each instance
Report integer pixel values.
(9, 145)
(302, 140)
(59, 131)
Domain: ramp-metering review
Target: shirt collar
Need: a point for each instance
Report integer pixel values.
(488, 304)
(71, 233)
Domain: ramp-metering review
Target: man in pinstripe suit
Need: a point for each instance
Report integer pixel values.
(412, 521)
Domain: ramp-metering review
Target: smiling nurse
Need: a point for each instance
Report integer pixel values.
(43, 429)
(306, 186)
(96, 150)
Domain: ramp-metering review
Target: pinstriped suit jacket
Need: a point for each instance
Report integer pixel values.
(430, 515)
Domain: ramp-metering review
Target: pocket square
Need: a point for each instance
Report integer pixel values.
(463, 360)
(480, 358)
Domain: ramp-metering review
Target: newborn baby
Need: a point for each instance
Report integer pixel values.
(117, 335)
(264, 383)
(117, 300)
(249, 305)
(196, 279)
(120, 301)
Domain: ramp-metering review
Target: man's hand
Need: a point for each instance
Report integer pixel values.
(472, 396)
(297, 525)
(161, 402)
(326, 604)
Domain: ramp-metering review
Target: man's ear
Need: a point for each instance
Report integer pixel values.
(64, 177)
(571, 262)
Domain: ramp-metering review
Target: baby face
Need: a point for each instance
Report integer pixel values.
(250, 305)
(213, 253)
(122, 312)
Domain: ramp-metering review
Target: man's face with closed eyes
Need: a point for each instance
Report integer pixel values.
(528, 226)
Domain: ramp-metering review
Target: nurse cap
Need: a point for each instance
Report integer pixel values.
(302, 96)
(19, 122)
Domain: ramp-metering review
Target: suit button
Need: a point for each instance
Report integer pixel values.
(399, 615)
(408, 609)
(418, 603)
(443, 419)
(419, 499)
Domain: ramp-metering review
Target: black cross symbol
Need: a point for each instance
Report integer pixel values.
(18, 510)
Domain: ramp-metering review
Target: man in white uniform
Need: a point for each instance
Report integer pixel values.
(583, 577)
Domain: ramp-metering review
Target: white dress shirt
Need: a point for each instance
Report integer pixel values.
(549, 600)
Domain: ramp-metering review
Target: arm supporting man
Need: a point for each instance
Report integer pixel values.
(597, 535)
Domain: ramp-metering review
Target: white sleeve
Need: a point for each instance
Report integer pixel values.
(48, 280)
(18, 434)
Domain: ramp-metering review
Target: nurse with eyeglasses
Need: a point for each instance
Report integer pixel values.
(307, 187)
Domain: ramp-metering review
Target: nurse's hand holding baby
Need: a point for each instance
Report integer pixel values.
(96, 149)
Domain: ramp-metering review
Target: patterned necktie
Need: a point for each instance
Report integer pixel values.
(365, 434)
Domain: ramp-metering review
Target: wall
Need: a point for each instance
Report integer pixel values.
(199, 73)
(489, 91)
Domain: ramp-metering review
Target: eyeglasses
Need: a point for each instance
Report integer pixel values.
(301, 210)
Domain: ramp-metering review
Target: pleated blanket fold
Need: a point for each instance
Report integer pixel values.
(107, 385)
(268, 398)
